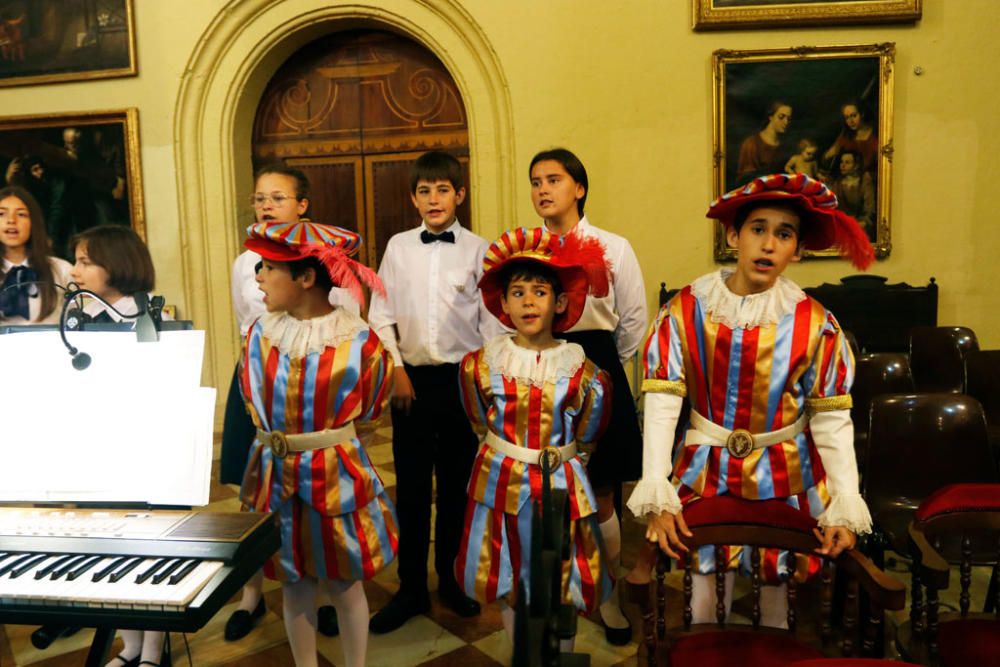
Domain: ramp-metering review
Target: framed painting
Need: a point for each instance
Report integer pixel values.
(729, 14)
(83, 168)
(825, 111)
(49, 41)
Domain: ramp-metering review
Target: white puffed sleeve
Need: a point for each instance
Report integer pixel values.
(654, 492)
(833, 433)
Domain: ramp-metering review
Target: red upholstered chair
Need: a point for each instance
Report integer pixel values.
(849, 662)
(937, 357)
(959, 522)
(728, 520)
(874, 375)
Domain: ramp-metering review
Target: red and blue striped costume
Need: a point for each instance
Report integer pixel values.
(336, 519)
(759, 378)
(554, 410)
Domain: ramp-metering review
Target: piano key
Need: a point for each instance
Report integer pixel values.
(83, 567)
(13, 562)
(127, 567)
(28, 564)
(45, 571)
(151, 570)
(167, 571)
(183, 572)
(66, 567)
(114, 564)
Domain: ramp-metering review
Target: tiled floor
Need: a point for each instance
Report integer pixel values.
(436, 640)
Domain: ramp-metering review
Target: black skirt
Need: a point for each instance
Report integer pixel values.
(618, 457)
(238, 433)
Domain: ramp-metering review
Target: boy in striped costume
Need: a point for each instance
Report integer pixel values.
(768, 373)
(529, 395)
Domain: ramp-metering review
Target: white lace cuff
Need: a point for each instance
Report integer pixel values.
(847, 510)
(652, 496)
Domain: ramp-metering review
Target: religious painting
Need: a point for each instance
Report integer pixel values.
(48, 41)
(82, 168)
(723, 14)
(821, 111)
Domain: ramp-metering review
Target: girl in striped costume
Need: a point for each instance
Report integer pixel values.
(768, 373)
(309, 371)
(524, 393)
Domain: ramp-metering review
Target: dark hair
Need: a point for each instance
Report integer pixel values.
(298, 266)
(436, 166)
(37, 248)
(772, 108)
(571, 163)
(301, 180)
(526, 269)
(119, 251)
(30, 161)
(744, 212)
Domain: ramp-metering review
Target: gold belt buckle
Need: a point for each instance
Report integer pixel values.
(740, 443)
(552, 455)
(278, 443)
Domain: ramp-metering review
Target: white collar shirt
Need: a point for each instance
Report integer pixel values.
(623, 311)
(432, 298)
(60, 276)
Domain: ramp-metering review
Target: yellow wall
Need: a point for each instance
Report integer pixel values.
(627, 85)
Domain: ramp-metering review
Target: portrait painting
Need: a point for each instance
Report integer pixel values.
(735, 14)
(48, 41)
(825, 112)
(82, 168)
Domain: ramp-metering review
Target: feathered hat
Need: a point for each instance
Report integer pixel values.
(578, 261)
(332, 246)
(822, 224)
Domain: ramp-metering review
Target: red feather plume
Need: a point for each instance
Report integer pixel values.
(852, 241)
(347, 273)
(586, 253)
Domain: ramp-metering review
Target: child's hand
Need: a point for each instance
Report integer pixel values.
(835, 539)
(402, 390)
(662, 528)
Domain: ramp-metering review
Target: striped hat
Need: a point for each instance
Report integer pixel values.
(822, 224)
(332, 246)
(578, 261)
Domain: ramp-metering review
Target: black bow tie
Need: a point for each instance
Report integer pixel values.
(445, 237)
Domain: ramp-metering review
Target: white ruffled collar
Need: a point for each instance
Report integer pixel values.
(511, 360)
(745, 312)
(297, 338)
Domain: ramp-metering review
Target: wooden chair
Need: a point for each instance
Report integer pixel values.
(728, 520)
(959, 523)
(875, 375)
(937, 357)
(982, 381)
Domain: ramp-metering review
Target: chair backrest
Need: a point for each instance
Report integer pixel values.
(725, 520)
(957, 523)
(982, 380)
(877, 374)
(918, 443)
(937, 357)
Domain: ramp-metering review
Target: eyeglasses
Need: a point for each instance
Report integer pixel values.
(276, 198)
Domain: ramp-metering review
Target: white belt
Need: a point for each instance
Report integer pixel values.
(282, 443)
(554, 455)
(740, 442)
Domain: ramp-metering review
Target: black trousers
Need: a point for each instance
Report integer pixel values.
(434, 442)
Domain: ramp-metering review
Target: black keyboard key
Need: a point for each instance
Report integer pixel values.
(14, 562)
(45, 571)
(109, 568)
(183, 572)
(151, 570)
(168, 570)
(27, 565)
(66, 567)
(129, 565)
(83, 567)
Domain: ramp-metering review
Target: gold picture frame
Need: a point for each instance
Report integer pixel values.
(90, 169)
(736, 14)
(773, 106)
(53, 41)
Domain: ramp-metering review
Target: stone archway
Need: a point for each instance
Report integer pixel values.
(223, 80)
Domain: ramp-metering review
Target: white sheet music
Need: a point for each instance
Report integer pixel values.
(136, 426)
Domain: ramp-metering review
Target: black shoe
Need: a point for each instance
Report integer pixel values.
(326, 621)
(455, 599)
(617, 636)
(401, 608)
(43, 637)
(241, 622)
(126, 662)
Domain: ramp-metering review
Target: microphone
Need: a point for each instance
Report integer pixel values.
(145, 328)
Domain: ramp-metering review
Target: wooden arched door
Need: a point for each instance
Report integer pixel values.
(353, 110)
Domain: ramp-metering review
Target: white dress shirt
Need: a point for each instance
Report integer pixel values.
(248, 300)
(432, 298)
(623, 310)
(124, 305)
(60, 275)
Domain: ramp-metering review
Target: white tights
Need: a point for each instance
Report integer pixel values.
(299, 610)
(773, 601)
(150, 644)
